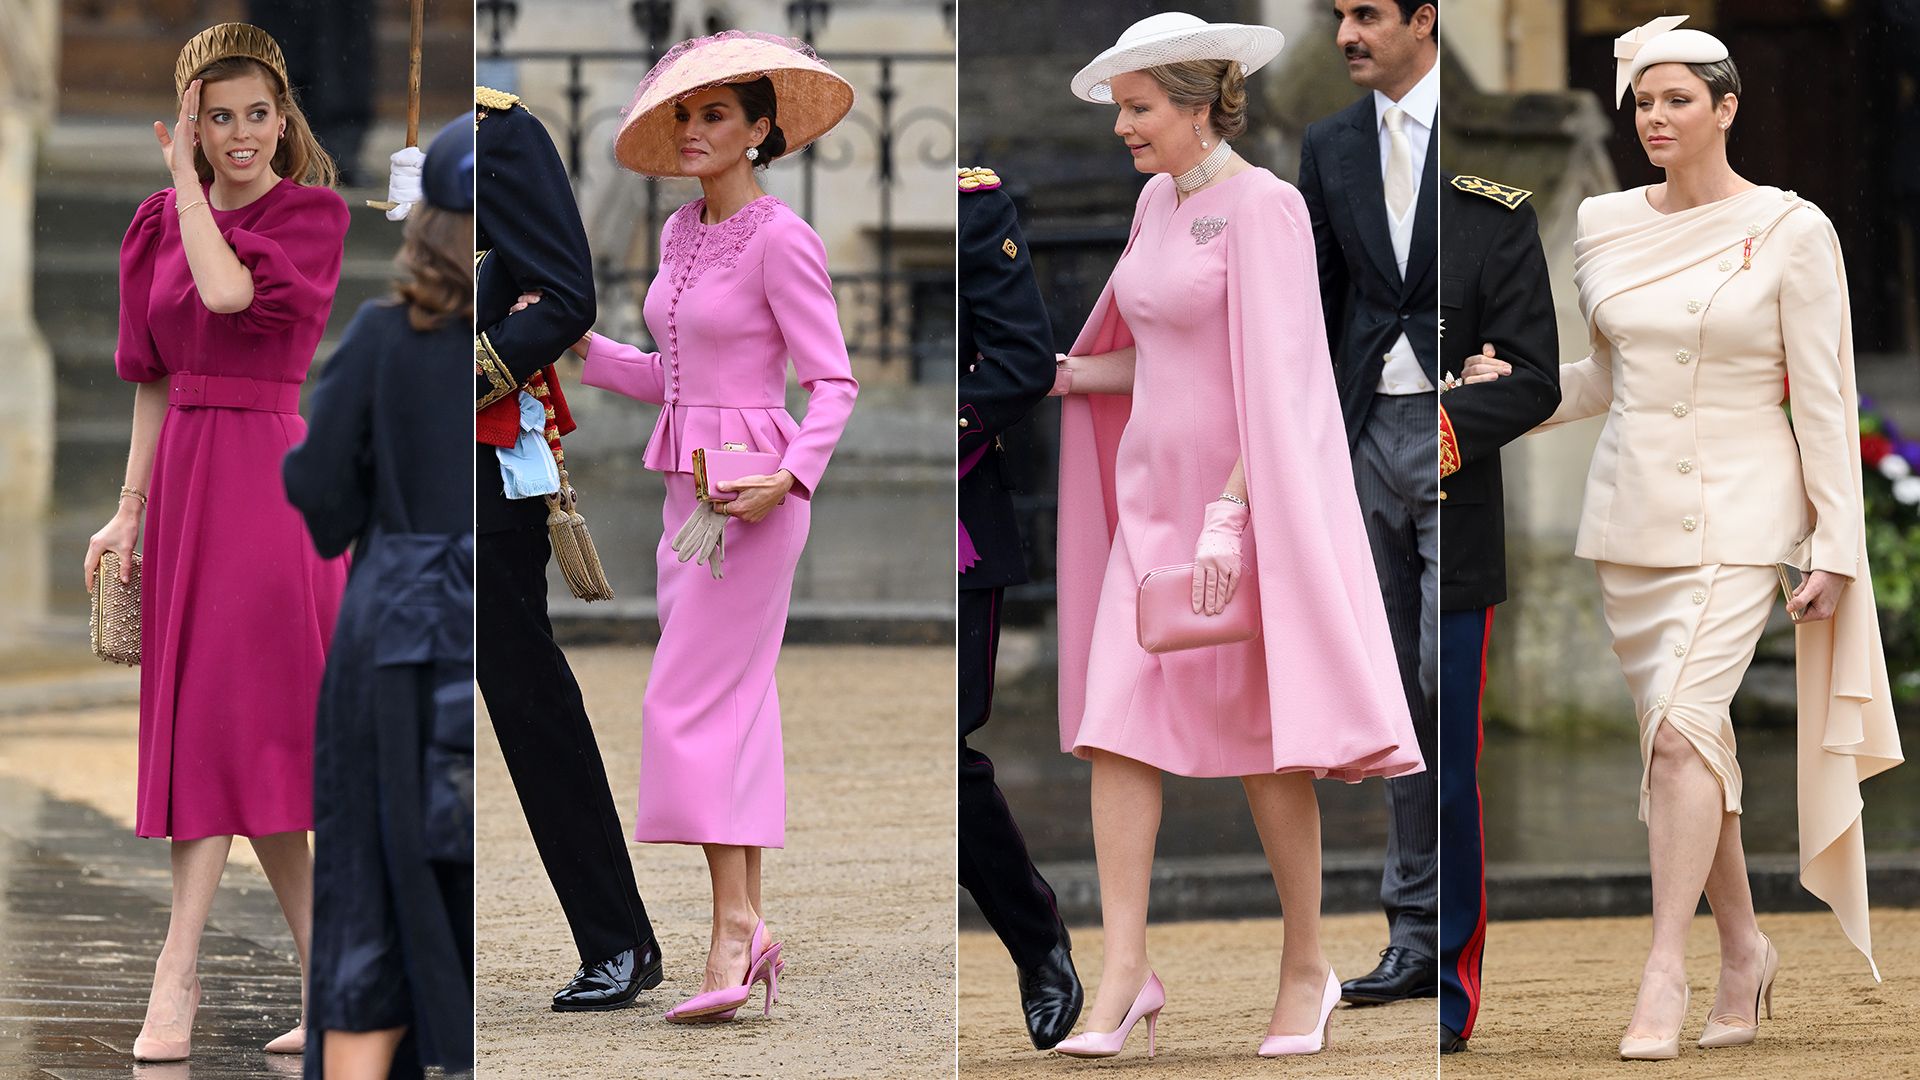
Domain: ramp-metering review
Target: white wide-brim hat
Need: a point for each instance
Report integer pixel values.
(1658, 42)
(1169, 38)
(810, 97)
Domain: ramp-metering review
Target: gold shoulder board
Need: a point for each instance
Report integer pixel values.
(1509, 197)
(488, 98)
(974, 178)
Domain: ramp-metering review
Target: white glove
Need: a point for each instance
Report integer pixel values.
(699, 539)
(403, 183)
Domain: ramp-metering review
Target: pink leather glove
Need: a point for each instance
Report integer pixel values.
(1216, 558)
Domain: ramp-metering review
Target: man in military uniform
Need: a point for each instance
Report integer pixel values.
(1005, 342)
(1496, 294)
(529, 240)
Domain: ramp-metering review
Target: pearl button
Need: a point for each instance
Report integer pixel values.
(1661, 701)
(1726, 265)
(1699, 596)
(1683, 356)
(1689, 523)
(1788, 196)
(1753, 230)
(1386, 358)
(1694, 306)
(1680, 650)
(1685, 465)
(1680, 408)
(963, 421)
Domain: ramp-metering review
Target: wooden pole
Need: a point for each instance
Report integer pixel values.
(416, 36)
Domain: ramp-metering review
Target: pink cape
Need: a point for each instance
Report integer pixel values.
(1338, 709)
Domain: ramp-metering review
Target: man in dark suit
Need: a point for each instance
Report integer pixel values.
(1494, 292)
(528, 237)
(1369, 175)
(1005, 343)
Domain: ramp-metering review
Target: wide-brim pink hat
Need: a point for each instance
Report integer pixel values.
(811, 97)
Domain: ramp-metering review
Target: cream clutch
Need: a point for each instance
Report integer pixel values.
(113, 622)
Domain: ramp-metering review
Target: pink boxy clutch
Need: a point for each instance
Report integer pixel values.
(1166, 620)
(711, 467)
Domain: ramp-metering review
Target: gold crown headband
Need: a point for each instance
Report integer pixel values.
(222, 42)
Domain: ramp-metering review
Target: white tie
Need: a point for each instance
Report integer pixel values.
(1399, 163)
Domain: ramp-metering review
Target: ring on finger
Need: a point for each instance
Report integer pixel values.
(193, 118)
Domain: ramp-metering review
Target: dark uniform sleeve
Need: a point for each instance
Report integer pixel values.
(1516, 315)
(524, 206)
(1326, 248)
(329, 477)
(1014, 369)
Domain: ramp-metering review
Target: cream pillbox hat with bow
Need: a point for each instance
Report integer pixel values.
(1658, 42)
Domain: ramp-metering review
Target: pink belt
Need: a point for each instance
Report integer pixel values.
(233, 392)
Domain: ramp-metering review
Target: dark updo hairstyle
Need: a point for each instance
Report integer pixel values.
(1196, 84)
(757, 99)
(1721, 77)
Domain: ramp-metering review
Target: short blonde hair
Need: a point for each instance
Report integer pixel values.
(1215, 84)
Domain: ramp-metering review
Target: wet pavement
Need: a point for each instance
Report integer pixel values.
(83, 910)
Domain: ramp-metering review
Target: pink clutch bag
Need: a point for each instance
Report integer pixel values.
(1167, 622)
(710, 467)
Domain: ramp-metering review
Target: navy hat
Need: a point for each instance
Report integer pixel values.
(447, 177)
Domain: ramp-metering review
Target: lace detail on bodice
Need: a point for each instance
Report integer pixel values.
(693, 248)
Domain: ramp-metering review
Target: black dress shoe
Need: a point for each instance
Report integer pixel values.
(612, 983)
(1400, 975)
(1450, 1041)
(1050, 996)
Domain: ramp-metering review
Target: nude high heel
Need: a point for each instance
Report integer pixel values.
(1734, 1030)
(1643, 1048)
(1313, 1041)
(148, 1048)
(1099, 1044)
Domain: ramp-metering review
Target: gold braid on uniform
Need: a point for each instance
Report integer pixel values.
(1505, 195)
(486, 97)
(1449, 447)
(496, 371)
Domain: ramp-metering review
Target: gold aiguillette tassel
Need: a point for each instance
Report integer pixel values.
(566, 549)
(598, 587)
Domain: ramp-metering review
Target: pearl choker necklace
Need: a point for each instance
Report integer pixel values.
(1202, 174)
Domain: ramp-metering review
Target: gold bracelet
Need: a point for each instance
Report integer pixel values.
(180, 210)
(136, 493)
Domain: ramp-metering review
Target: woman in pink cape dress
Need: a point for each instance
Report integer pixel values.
(226, 281)
(1204, 366)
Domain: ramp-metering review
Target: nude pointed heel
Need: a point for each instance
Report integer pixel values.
(1734, 1030)
(148, 1048)
(1637, 1048)
(1313, 1041)
(1099, 1044)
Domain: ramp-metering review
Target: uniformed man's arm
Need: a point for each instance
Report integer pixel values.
(525, 205)
(1014, 368)
(1326, 247)
(1516, 313)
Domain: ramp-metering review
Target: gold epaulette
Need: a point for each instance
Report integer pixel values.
(488, 98)
(1509, 197)
(975, 178)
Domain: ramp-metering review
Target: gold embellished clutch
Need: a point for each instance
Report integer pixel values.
(1792, 571)
(114, 619)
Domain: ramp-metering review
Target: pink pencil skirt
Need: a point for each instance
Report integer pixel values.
(710, 751)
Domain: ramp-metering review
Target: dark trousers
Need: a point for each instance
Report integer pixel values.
(1463, 888)
(994, 865)
(548, 745)
(1399, 489)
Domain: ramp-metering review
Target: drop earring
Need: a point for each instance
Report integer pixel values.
(1203, 142)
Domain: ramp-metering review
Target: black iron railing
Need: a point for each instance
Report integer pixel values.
(890, 313)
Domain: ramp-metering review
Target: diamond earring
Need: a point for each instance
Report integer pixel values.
(753, 153)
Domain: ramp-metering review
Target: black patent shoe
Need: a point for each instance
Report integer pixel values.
(1450, 1041)
(1050, 995)
(612, 983)
(1402, 974)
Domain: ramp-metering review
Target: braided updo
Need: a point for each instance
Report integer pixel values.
(1198, 84)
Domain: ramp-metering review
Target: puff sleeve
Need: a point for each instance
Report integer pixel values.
(294, 256)
(1813, 315)
(801, 296)
(135, 356)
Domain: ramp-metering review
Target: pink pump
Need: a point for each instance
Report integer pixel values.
(1099, 1044)
(717, 1006)
(148, 1048)
(1313, 1041)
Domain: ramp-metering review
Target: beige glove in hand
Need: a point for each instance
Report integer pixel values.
(699, 539)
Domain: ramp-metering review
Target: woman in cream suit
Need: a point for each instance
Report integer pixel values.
(1711, 302)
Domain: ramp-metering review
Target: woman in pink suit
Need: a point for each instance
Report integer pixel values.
(742, 286)
(226, 281)
(1209, 428)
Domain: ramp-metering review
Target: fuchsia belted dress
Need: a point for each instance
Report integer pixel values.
(236, 607)
(731, 303)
